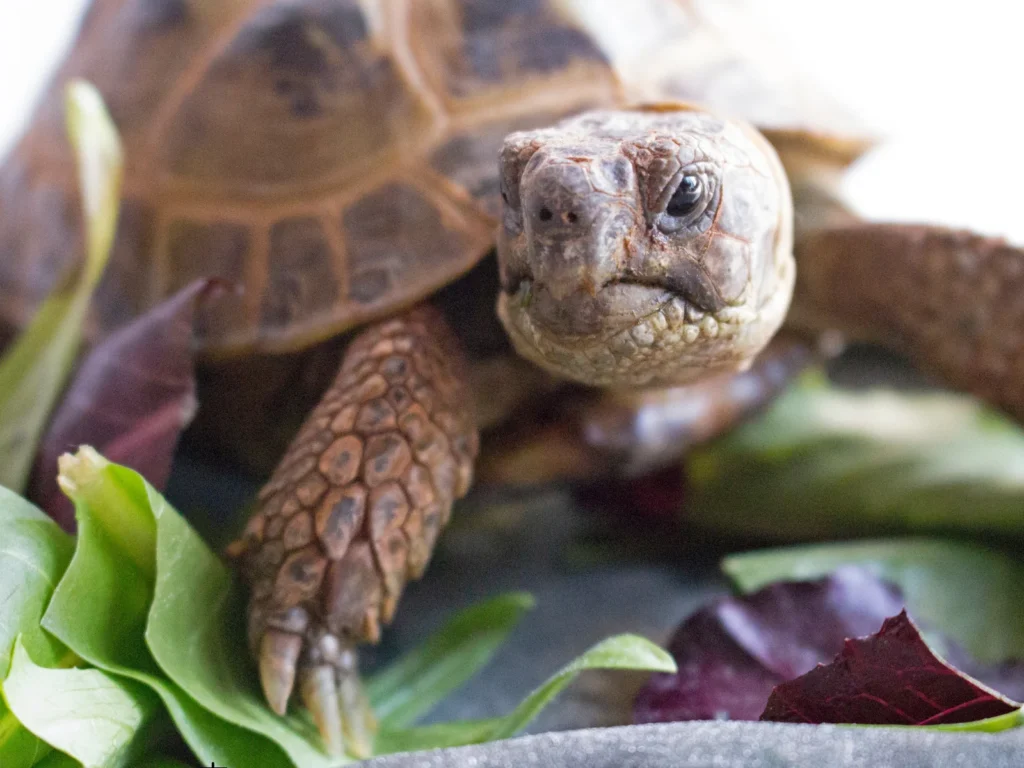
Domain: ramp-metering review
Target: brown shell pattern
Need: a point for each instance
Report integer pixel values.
(356, 505)
(336, 159)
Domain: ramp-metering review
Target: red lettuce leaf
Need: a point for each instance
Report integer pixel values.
(130, 399)
(1007, 677)
(734, 652)
(889, 678)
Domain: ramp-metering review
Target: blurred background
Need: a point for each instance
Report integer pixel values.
(941, 81)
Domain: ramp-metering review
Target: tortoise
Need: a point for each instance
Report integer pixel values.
(593, 167)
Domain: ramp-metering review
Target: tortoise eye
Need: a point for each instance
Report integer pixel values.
(686, 198)
(511, 216)
(508, 196)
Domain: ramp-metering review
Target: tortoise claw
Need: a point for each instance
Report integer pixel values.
(352, 514)
(279, 656)
(334, 696)
(357, 718)
(320, 695)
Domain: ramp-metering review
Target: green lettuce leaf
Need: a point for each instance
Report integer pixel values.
(19, 747)
(85, 713)
(990, 725)
(56, 760)
(826, 463)
(34, 371)
(100, 610)
(34, 552)
(966, 590)
(196, 631)
(144, 598)
(422, 678)
(623, 652)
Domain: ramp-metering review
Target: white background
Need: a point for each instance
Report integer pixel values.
(942, 79)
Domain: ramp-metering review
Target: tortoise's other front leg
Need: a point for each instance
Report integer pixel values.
(620, 434)
(952, 301)
(352, 514)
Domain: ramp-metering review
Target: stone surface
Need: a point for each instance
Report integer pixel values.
(731, 745)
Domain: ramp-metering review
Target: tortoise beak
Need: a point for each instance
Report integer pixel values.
(576, 234)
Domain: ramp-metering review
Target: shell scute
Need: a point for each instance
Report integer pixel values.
(301, 93)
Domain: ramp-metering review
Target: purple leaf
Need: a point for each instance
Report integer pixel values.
(131, 399)
(889, 678)
(1007, 678)
(734, 652)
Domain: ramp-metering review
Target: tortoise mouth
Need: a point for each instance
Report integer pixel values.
(661, 339)
(587, 299)
(616, 306)
(609, 310)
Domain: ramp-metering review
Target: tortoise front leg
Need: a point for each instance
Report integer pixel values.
(352, 514)
(604, 434)
(952, 301)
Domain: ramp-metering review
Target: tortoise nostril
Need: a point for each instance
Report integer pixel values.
(545, 214)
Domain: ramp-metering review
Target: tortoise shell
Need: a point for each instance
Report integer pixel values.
(336, 159)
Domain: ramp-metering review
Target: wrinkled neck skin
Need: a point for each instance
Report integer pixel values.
(647, 247)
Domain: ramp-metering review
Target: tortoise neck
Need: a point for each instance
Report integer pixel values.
(818, 205)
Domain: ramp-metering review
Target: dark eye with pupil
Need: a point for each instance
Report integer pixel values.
(686, 197)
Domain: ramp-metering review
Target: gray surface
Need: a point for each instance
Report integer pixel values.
(731, 745)
(535, 544)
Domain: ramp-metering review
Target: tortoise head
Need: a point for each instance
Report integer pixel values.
(643, 247)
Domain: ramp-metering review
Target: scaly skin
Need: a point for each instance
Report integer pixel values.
(950, 300)
(353, 512)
